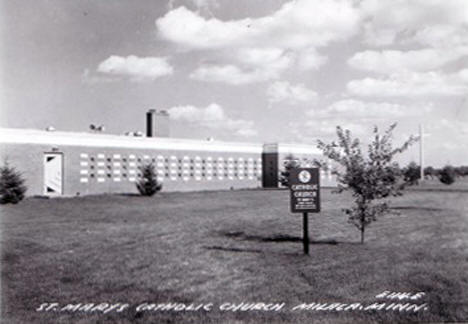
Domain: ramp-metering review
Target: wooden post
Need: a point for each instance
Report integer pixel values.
(305, 238)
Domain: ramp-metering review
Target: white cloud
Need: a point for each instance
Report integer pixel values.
(213, 117)
(271, 59)
(442, 36)
(260, 49)
(230, 74)
(370, 109)
(309, 59)
(136, 68)
(257, 64)
(463, 75)
(391, 61)
(312, 129)
(443, 124)
(356, 109)
(328, 127)
(282, 91)
(411, 84)
(201, 5)
(291, 26)
(188, 28)
(357, 116)
(428, 22)
(210, 114)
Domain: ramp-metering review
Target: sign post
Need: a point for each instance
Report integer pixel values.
(305, 230)
(304, 185)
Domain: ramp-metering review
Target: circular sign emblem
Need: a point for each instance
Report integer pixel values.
(304, 176)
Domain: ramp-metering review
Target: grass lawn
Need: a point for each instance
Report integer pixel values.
(231, 246)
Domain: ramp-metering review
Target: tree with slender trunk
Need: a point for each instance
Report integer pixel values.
(369, 177)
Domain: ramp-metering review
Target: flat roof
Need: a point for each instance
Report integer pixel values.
(36, 136)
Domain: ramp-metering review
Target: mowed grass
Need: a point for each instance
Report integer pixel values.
(231, 246)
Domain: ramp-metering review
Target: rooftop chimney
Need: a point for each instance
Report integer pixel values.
(157, 123)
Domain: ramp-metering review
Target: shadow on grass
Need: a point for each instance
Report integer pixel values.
(129, 194)
(231, 249)
(439, 189)
(416, 208)
(241, 250)
(279, 238)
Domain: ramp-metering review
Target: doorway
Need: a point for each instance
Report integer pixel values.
(53, 174)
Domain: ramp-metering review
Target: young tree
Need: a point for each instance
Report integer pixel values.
(12, 188)
(447, 175)
(369, 177)
(412, 173)
(148, 184)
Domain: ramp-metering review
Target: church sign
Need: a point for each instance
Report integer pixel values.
(304, 184)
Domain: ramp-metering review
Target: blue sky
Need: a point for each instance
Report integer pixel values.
(255, 71)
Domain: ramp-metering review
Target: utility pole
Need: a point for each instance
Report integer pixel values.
(421, 151)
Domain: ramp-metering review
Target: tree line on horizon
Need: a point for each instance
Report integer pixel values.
(410, 174)
(447, 174)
